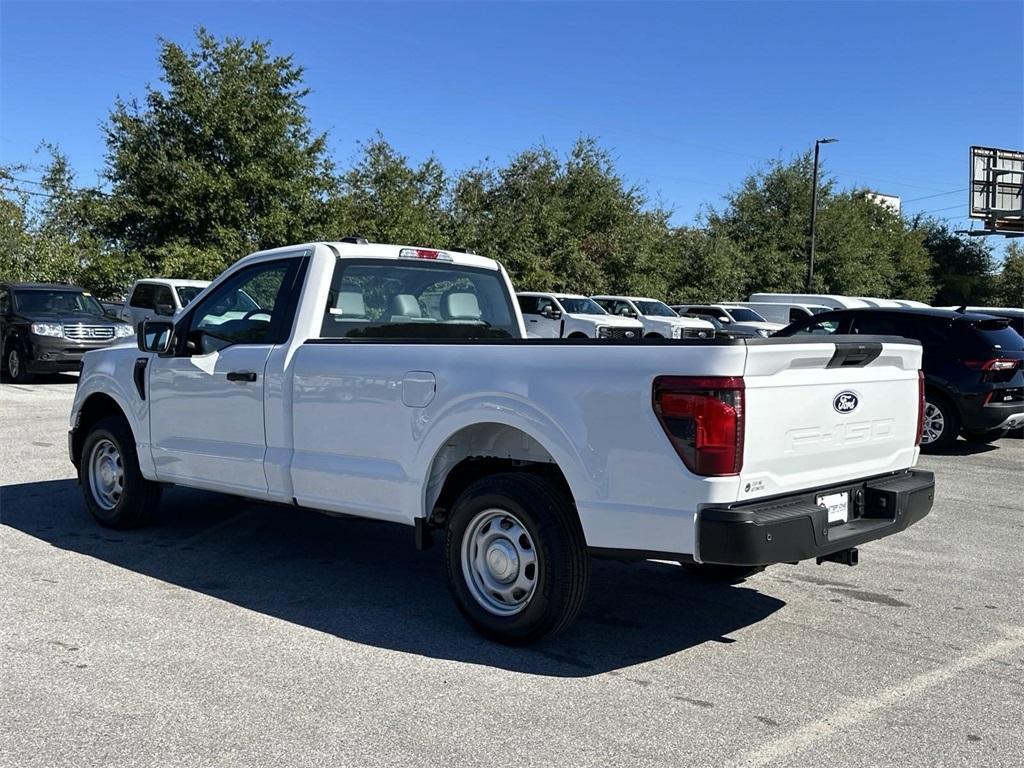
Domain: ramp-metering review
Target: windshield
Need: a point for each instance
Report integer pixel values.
(57, 302)
(654, 309)
(186, 293)
(581, 307)
(744, 315)
(413, 299)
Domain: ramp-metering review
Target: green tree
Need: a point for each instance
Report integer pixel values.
(15, 237)
(962, 267)
(222, 158)
(1011, 278)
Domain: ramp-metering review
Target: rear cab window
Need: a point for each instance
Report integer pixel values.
(417, 299)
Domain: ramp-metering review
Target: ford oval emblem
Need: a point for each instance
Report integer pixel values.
(630, 334)
(845, 402)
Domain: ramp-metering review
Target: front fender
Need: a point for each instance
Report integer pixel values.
(109, 372)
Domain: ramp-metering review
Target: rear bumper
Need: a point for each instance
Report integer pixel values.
(794, 528)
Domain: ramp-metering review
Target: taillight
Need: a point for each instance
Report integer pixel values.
(995, 364)
(920, 407)
(703, 418)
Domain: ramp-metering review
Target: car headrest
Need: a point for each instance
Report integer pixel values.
(349, 302)
(404, 305)
(460, 306)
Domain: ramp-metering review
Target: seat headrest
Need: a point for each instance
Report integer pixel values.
(404, 305)
(349, 302)
(460, 306)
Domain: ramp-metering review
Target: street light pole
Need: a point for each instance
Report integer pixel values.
(814, 209)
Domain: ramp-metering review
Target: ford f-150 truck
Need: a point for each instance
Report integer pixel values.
(396, 383)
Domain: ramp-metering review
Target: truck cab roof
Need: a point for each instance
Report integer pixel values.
(360, 250)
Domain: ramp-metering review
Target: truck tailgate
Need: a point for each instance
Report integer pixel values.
(824, 412)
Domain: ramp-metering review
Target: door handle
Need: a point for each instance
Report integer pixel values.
(241, 376)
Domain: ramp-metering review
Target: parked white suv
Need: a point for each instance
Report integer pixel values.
(159, 297)
(567, 316)
(396, 383)
(735, 318)
(658, 318)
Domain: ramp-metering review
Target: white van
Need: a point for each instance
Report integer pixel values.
(832, 301)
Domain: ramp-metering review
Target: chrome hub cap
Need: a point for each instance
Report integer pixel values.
(106, 474)
(13, 364)
(499, 562)
(934, 424)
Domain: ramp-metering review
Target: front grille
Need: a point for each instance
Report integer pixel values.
(82, 332)
(698, 333)
(627, 334)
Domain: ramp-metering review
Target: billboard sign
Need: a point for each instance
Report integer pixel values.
(997, 188)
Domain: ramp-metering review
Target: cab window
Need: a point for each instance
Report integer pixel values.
(246, 309)
(143, 296)
(824, 327)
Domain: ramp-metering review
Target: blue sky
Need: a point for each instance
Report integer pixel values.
(688, 97)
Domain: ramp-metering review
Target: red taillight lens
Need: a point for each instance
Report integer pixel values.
(920, 407)
(424, 253)
(703, 418)
(996, 364)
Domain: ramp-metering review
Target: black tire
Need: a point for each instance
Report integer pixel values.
(138, 499)
(578, 335)
(654, 336)
(15, 366)
(562, 570)
(949, 419)
(721, 574)
(988, 436)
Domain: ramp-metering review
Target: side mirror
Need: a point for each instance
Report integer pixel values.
(724, 319)
(164, 310)
(155, 336)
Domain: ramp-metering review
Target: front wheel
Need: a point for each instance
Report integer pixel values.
(941, 424)
(654, 336)
(516, 558)
(116, 493)
(17, 368)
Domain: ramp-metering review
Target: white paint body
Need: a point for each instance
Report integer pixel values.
(761, 327)
(783, 312)
(371, 429)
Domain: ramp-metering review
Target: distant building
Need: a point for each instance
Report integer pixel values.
(892, 202)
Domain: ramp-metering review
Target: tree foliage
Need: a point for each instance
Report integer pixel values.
(1011, 278)
(220, 159)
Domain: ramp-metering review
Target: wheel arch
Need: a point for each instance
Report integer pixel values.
(95, 407)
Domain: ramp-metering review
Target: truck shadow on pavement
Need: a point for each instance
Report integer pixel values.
(364, 582)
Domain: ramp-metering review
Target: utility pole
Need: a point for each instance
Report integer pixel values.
(814, 210)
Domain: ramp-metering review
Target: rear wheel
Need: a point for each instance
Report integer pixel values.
(516, 558)
(116, 493)
(941, 424)
(721, 574)
(654, 336)
(988, 436)
(578, 335)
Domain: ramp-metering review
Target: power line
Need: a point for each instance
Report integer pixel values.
(939, 194)
(947, 208)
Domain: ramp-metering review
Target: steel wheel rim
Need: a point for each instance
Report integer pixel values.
(106, 474)
(499, 562)
(14, 364)
(934, 423)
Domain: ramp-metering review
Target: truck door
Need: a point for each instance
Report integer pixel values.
(206, 401)
(538, 312)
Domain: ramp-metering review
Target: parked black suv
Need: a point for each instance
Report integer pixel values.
(974, 385)
(47, 328)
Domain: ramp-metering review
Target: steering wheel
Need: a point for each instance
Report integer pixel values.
(252, 312)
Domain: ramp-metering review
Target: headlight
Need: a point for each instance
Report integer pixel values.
(603, 332)
(123, 331)
(677, 332)
(47, 329)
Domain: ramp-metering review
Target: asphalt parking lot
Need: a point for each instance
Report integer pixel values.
(233, 633)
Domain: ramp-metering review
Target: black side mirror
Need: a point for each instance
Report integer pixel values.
(155, 336)
(164, 310)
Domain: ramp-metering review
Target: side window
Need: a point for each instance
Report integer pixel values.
(5, 302)
(545, 303)
(825, 327)
(247, 309)
(795, 313)
(529, 305)
(606, 305)
(162, 295)
(880, 325)
(143, 296)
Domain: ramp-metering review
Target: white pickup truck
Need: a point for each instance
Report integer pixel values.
(568, 316)
(397, 383)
